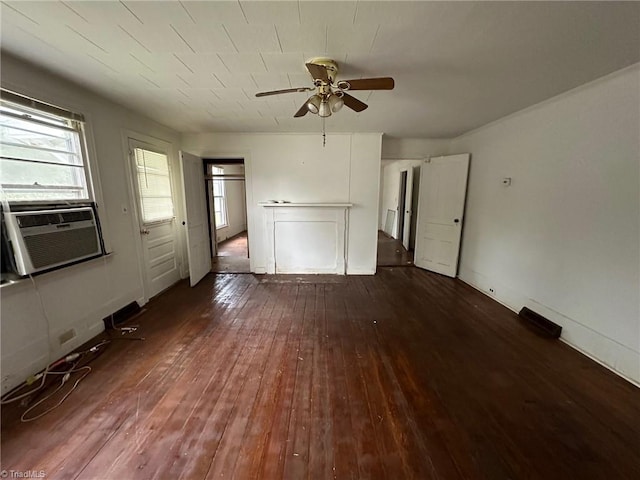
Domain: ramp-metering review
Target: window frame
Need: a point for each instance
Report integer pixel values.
(158, 151)
(70, 120)
(75, 123)
(218, 170)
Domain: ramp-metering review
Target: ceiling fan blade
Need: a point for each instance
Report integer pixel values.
(353, 103)
(303, 110)
(286, 90)
(382, 83)
(318, 72)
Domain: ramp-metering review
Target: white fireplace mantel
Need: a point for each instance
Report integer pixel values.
(306, 237)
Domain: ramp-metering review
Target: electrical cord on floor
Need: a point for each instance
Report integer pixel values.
(29, 381)
(123, 331)
(74, 359)
(65, 378)
(42, 376)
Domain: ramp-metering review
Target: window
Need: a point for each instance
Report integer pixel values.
(154, 186)
(49, 217)
(41, 152)
(219, 200)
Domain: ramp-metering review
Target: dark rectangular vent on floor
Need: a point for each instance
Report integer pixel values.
(541, 324)
(122, 315)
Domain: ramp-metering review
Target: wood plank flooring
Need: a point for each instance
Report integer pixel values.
(405, 374)
(235, 246)
(233, 255)
(391, 252)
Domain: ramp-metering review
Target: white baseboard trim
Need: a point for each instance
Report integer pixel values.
(361, 271)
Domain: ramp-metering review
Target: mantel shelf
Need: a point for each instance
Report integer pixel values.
(293, 204)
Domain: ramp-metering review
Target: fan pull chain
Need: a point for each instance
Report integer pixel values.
(324, 134)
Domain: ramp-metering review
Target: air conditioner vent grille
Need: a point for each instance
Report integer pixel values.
(76, 216)
(25, 221)
(61, 246)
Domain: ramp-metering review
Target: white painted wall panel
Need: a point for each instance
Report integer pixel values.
(297, 168)
(305, 247)
(563, 239)
(364, 185)
(77, 297)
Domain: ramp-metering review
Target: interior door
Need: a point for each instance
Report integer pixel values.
(402, 196)
(443, 188)
(156, 216)
(407, 213)
(415, 198)
(197, 225)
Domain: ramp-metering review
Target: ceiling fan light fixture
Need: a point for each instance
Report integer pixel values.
(336, 102)
(330, 95)
(325, 109)
(313, 104)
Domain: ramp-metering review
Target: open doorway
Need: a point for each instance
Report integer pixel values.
(399, 204)
(227, 211)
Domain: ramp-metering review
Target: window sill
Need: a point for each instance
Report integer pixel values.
(11, 279)
(8, 279)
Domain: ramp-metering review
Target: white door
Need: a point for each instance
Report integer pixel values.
(156, 217)
(407, 177)
(195, 217)
(443, 188)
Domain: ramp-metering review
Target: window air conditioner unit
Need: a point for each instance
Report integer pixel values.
(47, 239)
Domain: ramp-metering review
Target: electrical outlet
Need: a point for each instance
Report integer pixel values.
(491, 290)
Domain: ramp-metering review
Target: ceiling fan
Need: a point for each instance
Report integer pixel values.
(330, 96)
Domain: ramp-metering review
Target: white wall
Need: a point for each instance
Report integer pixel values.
(399, 154)
(77, 297)
(564, 238)
(236, 209)
(413, 148)
(390, 189)
(297, 168)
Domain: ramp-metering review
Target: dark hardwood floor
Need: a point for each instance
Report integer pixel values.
(405, 374)
(391, 252)
(235, 246)
(233, 255)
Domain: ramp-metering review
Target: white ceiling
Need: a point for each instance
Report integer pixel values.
(196, 66)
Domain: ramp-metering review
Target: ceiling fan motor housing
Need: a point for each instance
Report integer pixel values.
(329, 64)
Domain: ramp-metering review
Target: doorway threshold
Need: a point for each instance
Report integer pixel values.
(230, 265)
